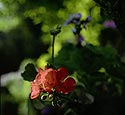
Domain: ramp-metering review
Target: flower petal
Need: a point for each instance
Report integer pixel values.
(35, 90)
(38, 76)
(49, 80)
(61, 73)
(69, 85)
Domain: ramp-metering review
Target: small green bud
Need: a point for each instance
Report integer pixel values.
(51, 96)
(43, 97)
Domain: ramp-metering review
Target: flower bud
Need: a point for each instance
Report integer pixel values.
(51, 96)
(43, 97)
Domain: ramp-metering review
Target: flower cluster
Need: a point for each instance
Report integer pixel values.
(79, 24)
(76, 19)
(50, 80)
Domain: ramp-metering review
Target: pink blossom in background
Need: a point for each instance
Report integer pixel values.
(109, 24)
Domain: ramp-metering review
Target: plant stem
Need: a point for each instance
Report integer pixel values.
(53, 48)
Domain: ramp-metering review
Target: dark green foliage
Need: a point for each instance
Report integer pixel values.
(88, 58)
(29, 73)
(114, 9)
(88, 62)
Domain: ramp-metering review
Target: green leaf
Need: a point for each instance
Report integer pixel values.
(69, 112)
(34, 106)
(30, 107)
(29, 73)
(37, 104)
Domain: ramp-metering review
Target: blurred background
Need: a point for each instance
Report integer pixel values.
(25, 38)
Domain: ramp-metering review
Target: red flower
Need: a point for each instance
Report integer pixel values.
(44, 82)
(48, 79)
(65, 84)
